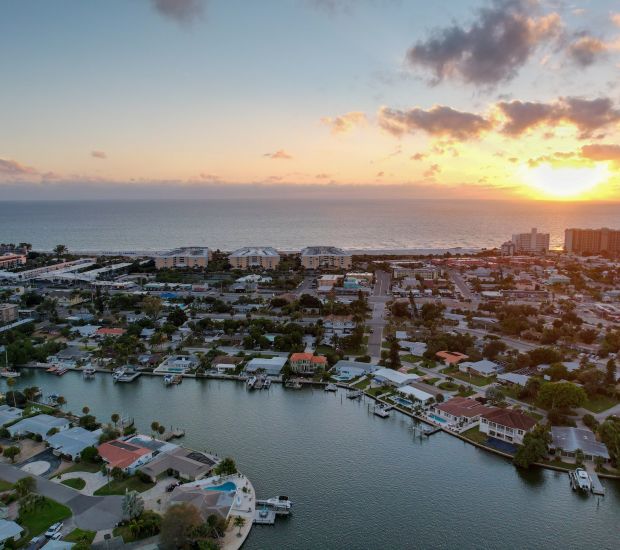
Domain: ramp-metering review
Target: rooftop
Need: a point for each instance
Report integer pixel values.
(121, 454)
(510, 418)
(324, 251)
(570, 439)
(255, 251)
(462, 406)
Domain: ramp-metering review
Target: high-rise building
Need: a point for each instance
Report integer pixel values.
(532, 242)
(592, 241)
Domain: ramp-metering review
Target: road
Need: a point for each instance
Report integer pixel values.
(377, 322)
(91, 513)
(460, 283)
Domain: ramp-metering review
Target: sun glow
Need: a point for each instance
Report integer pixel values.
(564, 182)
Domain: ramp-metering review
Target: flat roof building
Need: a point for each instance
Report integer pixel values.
(532, 242)
(8, 313)
(272, 366)
(320, 257)
(592, 241)
(248, 257)
(190, 256)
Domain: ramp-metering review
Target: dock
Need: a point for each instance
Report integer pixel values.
(128, 377)
(431, 430)
(264, 517)
(597, 486)
(173, 434)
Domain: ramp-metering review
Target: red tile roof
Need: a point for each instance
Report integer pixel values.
(510, 418)
(120, 454)
(462, 406)
(110, 332)
(451, 357)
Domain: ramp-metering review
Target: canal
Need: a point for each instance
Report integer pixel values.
(357, 481)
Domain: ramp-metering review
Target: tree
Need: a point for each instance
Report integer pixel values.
(495, 395)
(85, 410)
(610, 372)
(493, 348)
(226, 467)
(132, 505)
(60, 250)
(115, 417)
(117, 474)
(151, 305)
(25, 486)
(579, 457)
(61, 401)
(239, 522)
(154, 427)
(561, 395)
(609, 432)
(89, 454)
(177, 526)
(11, 452)
(534, 447)
(10, 383)
(557, 372)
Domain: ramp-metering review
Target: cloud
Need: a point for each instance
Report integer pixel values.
(586, 50)
(181, 11)
(345, 123)
(209, 177)
(418, 156)
(98, 154)
(439, 120)
(601, 152)
(587, 115)
(499, 42)
(432, 171)
(322, 176)
(615, 18)
(280, 154)
(11, 168)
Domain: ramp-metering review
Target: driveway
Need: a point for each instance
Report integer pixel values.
(44, 464)
(94, 480)
(92, 513)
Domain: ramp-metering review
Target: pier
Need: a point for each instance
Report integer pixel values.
(173, 434)
(264, 516)
(597, 486)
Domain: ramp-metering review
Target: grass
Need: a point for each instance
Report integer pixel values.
(430, 381)
(475, 435)
(472, 379)
(599, 403)
(411, 358)
(379, 391)
(466, 392)
(75, 482)
(448, 386)
(415, 371)
(362, 384)
(78, 535)
(91, 467)
(5, 485)
(560, 464)
(132, 483)
(45, 514)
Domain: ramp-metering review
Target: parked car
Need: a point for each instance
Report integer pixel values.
(54, 529)
(172, 487)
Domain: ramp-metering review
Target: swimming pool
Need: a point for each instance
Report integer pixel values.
(228, 486)
(404, 402)
(437, 418)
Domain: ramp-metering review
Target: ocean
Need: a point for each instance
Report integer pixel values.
(288, 224)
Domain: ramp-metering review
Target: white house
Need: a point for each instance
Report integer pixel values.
(9, 531)
(177, 364)
(414, 348)
(513, 378)
(9, 414)
(73, 441)
(41, 425)
(506, 424)
(415, 394)
(393, 377)
(341, 325)
(480, 368)
(272, 366)
(347, 370)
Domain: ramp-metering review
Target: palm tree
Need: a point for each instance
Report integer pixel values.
(154, 427)
(61, 401)
(10, 383)
(60, 250)
(115, 418)
(85, 410)
(239, 522)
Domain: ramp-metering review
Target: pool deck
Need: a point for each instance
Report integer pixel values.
(234, 538)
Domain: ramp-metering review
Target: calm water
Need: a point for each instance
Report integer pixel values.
(357, 481)
(291, 224)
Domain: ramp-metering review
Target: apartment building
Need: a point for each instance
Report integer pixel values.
(194, 256)
(322, 257)
(248, 257)
(532, 242)
(592, 241)
(10, 260)
(8, 313)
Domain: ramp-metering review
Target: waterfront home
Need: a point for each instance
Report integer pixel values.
(272, 366)
(41, 425)
(73, 441)
(307, 363)
(460, 410)
(179, 462)
(225, 368)
(450, 358)
(566, 440)
(506, 424)
(348, 370)
(513, 379)
(483, 367)
(208, 501)
(9, 414)
(391, 377)
(124, 455)
(177, 364)
(415, 394)
(9, 532)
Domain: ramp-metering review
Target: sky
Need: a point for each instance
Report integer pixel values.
(488, 99)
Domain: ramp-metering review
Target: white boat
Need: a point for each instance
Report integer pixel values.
(580, 480)
(267, 384)
(6, 373)
(381, 410)
(293, 385)
(251, 382)
(118, 374)
(354, 394)
(280, 504)
(330, 387)
(89, 372)
(172, 379)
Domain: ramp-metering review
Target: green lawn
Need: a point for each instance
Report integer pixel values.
(78, 535)
(47, 513)
(411, 358)
(476, 380)
(466, 393)
(82, 467)
(448, 386)
(415, 371)
(75, 482)
(599, 403)
(362, 384)
(5, 485)
(430, 381)
(474, 434)
(132, 483)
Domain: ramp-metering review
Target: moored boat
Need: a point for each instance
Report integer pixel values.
(330, 387)
(251, 382)
(580, 480)
(354, 394)
(7, 373)
(381, 410)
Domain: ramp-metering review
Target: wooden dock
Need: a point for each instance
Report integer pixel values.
(264, 517)
(173, 434)
(431, 430)
(597, 486)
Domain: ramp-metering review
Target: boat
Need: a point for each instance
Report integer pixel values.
(52, 369)
(251, 382)
(280, 504)
(580, 480)
(381, 410)
(6, 373)
(330, 387)
(172, 379)
(118, 374)
(293, 385)
(354, 394)
(52, 399)
(267, 383)
(260, 382)
(60, 371)
(89, 372)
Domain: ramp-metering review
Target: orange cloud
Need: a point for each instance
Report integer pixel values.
(98, 154)
(280, 154)
(345, 123)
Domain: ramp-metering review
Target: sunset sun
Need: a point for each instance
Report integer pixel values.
(564, 182)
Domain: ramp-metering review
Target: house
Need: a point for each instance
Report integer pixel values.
(451, 357)
(73, 441)
(460, 410)
(566, 441)
(9, 414)
(513, 379)
(340, 325)
(208, 502)
(264, 257)
(86, 331)
(320, 257)
(480, 368)
(110, 332)
(414, 348)
(506, 424)
(181, 463)
(393, 377)
(41, 425)
(271, 367)
(124, 455)
(9, 531)
(177, 364)
(194, 256)
(415, 394)
(8, 313)
(307, 363)
(225, 368)
(347, 370)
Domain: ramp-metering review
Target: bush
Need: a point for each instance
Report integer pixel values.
(590, 421)
(90, 454)
(558, 418)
